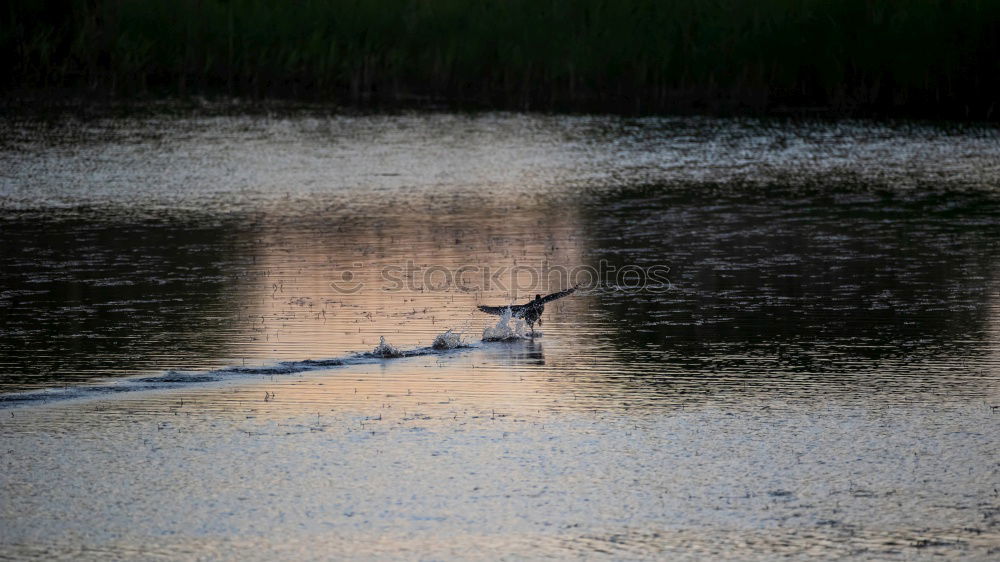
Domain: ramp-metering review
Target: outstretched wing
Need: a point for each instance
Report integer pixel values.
(559, 295)
(500, 310)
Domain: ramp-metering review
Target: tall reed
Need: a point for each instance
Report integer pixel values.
(913, 56)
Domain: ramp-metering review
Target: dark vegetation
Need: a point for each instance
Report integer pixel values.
(935, 58)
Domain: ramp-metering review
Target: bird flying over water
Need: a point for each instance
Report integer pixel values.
(531, 311)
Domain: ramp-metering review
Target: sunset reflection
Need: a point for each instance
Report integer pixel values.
(326, 291)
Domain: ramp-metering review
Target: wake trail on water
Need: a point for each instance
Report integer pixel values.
(444, 343)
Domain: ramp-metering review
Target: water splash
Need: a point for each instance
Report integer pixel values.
(447, 340)
(503, 331)
(385, 350)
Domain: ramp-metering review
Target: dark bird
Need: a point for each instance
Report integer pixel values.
(531, 311)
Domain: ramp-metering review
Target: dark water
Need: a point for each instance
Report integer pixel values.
(816, 371)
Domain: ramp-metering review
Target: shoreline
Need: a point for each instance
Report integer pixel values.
(81, 103)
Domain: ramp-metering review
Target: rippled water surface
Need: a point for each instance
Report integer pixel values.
(188, 306)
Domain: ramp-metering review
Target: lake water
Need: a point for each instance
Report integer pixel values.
(786, 341)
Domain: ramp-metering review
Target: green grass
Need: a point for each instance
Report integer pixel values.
(934, 57)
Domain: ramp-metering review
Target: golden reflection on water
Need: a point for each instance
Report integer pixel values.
(405, 277)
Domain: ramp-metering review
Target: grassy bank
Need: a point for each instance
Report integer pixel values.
(916, 57)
